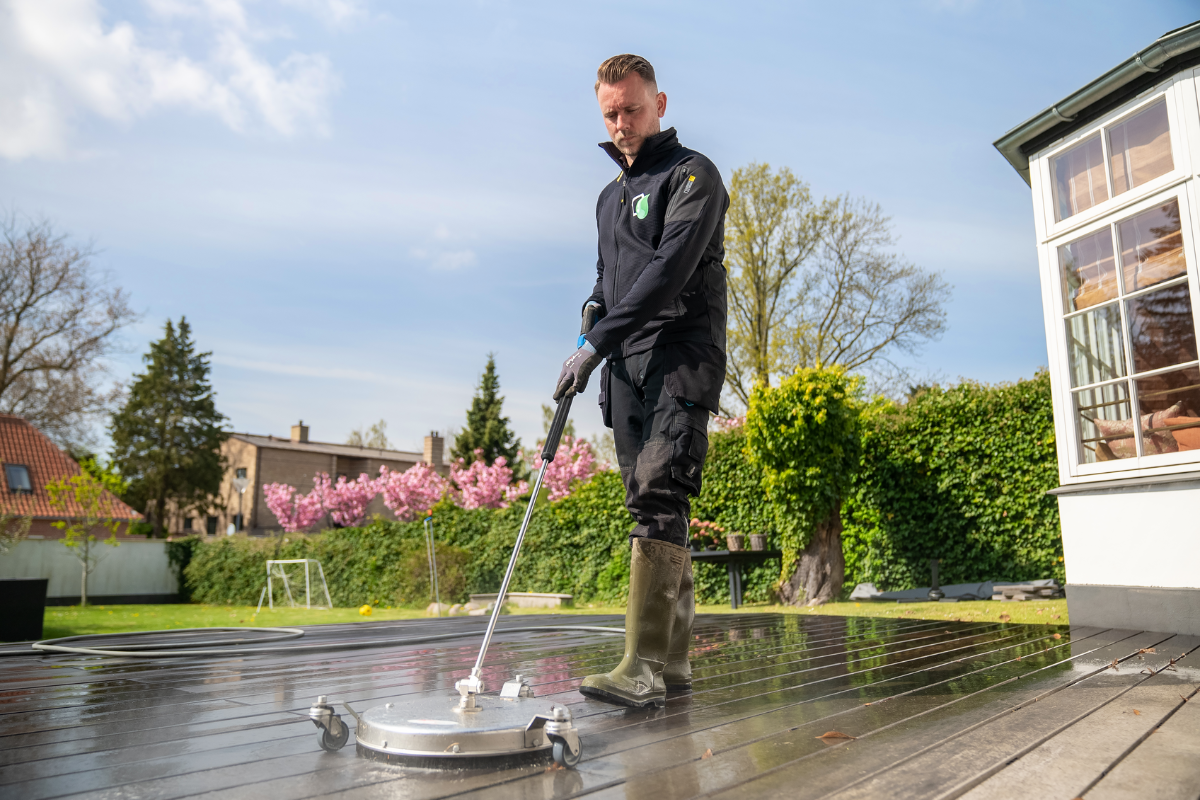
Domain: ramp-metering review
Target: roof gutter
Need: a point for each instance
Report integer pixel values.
(1147, 61)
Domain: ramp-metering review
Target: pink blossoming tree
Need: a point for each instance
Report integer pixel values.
(413, 492)
(295, 511)
(479, 486)
(724, 424)
(345, 501)
(574, 461)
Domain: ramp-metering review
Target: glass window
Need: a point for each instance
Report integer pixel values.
(1103, 414)
(1139, 149)
(1170, 405)
(1089, 270)
(210, 526)
(1079, 180)
(1122, 325)
(1151, 247)
(17, 476)
(1095, 346)
(187, 523)
(1161, 331)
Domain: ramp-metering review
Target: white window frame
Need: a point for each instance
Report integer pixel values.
(1176, 116)
(1069, 432)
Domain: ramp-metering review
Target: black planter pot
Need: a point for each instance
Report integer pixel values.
(24, 604)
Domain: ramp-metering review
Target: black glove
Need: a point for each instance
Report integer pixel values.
(575, 373)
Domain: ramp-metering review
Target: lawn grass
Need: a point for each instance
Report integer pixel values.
(74, 621)
(1029, 612)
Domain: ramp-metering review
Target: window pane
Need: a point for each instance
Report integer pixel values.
(1079, 181)
(1161, 332)
(1095, 346)
(1170, 406)
(1089, 271)
(1105, 430)
(1139, 149)
(1151, 247)
(17, 476)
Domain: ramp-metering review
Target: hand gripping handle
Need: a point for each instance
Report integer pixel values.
(590, 314)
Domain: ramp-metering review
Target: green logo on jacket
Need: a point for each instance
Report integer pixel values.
(641, 206)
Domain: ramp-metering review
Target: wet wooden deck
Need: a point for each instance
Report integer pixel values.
(937, 709)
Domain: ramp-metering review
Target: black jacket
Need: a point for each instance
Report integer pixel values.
(659, 276)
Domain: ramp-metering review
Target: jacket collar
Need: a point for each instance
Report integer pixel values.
(654, 148)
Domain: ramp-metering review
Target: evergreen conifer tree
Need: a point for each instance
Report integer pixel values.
(167, 436)
(486, 430)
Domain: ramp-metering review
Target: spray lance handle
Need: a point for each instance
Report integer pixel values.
(591, 314)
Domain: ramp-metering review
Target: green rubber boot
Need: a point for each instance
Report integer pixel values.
(677, 675)
(654, 573)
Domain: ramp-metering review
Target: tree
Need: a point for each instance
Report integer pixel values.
(374, 436)
(816, 284)
(486, 430)
(805, 437)
(58, 317)
(772, 229)
(861, 302)
(167, 437)
(89, 506)
(109, 477)
(13, 528)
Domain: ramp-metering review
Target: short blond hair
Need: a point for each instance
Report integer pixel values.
(617, 69)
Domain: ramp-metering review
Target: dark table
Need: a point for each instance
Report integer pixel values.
(733, 560)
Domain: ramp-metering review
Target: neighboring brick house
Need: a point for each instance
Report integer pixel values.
(30, 462)
(260, 460)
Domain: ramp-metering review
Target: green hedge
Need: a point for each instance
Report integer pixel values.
(732, 497)
(958, 474)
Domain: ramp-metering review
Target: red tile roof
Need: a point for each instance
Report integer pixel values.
(21, 443)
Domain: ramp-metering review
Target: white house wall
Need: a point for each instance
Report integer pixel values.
(1133, 536)
(134, 570)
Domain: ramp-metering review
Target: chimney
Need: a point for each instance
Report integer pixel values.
(435, 445)
(300, 433)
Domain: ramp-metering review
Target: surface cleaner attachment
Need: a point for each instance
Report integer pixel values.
(473, 729)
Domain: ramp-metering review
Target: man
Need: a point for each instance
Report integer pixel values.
(660, 294)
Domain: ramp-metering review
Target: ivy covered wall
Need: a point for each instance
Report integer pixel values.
(959, 474)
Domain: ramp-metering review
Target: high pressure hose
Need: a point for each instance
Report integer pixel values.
(210, 647)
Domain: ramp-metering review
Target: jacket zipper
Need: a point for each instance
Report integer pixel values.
(616, 247)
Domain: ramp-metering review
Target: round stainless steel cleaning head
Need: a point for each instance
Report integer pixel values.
(433, 731)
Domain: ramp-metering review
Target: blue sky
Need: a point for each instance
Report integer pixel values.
(355, 201)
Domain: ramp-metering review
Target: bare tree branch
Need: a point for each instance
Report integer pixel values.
(58, 317)
(817, 283)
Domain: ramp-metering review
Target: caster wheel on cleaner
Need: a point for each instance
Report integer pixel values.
(563, 756)
(331, 743)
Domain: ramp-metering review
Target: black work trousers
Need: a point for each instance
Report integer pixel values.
(661, 444)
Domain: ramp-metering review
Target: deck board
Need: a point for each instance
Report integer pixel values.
(938, 708)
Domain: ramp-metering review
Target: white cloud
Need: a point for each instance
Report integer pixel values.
(60, 60)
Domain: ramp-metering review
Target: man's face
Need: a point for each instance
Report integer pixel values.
(631, 110)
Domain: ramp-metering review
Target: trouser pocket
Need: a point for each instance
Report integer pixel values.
(690, 446)
(604, 399)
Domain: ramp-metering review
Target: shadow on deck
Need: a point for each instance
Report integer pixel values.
(935, 709)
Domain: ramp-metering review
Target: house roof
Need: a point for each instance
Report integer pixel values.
(1170, 53)
(328, 448)
(21, 443)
